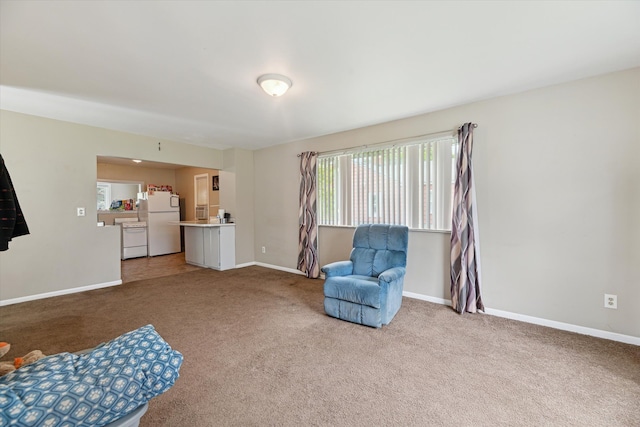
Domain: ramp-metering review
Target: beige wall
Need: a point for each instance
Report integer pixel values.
(556, 175)
(237, 198)
(147, 175)
(53, 168)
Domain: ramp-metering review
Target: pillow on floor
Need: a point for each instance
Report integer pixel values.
(90, 389)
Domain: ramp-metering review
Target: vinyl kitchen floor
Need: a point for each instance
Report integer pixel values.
(158, 266)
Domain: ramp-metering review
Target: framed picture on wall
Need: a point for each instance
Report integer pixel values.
(215, 183)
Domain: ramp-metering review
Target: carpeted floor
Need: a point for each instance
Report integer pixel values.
(259, 350)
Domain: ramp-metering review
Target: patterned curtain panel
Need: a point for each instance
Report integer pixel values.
(465, 259)
(308, 225)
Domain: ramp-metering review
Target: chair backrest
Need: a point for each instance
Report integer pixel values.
(379, 247)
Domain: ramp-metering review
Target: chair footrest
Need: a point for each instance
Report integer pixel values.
(356, 289)
(352, 312)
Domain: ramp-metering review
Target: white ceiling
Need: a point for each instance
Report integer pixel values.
(186, 70)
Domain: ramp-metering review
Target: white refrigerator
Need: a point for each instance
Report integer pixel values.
(161, 211)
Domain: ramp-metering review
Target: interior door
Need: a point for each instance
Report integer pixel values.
(201, 188)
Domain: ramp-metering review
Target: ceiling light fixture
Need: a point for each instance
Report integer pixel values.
(274, 84)
(137, 161)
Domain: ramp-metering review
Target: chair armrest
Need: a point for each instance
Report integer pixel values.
(339, 268)
(392, 274)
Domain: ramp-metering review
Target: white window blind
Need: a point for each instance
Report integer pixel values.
(408, 184)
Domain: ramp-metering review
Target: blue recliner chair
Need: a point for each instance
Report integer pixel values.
(367, 289)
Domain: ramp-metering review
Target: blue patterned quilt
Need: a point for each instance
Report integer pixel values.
(91, 389)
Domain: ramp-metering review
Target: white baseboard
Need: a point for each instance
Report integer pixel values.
(58, 293)
(277, 267)
(246, 264)
(426, 298)
(613, 336)
(628, 339)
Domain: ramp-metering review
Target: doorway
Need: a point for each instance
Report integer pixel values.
(181, 179)
(201, 195)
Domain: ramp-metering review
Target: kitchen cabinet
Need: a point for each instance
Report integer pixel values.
(220, 247)
(210, 245)
(194, 245)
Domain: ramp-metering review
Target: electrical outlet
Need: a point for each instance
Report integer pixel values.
(264, 250)
(80, 211)
(610, 301)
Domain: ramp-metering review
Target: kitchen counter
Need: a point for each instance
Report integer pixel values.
(109, 216)
(116, 211)
(204, 224)
(208, 244)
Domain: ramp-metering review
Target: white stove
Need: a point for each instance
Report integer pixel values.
(133, 237)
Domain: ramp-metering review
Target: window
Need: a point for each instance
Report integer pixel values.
(104, 196)
(117, 195)
(409, 184)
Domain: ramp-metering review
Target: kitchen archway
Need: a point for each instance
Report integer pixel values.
(180, 180)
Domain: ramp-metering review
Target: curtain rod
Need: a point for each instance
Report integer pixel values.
(392, 142)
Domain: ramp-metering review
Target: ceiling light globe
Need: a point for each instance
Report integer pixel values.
(274, 84)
